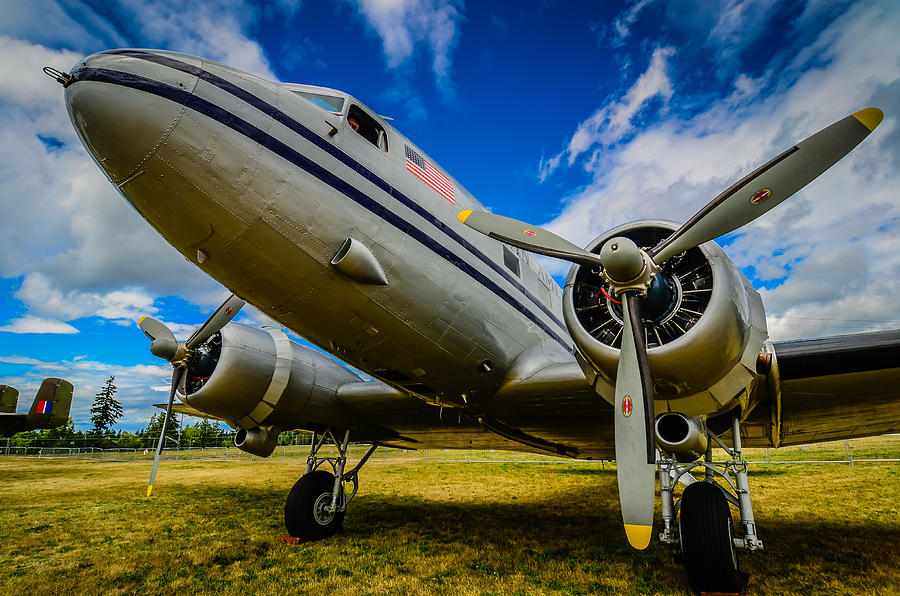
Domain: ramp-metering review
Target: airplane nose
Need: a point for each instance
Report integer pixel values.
(121, 104)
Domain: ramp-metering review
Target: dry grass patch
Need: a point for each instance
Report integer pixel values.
(418, 529)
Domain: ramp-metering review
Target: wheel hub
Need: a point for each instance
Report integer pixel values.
(321, 507)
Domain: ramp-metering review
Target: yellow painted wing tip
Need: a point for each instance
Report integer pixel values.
(463, 215)
(638, 536)
(870, 117)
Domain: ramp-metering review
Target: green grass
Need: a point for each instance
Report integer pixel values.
(418, 528)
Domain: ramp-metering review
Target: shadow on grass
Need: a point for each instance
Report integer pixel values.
(570, 527)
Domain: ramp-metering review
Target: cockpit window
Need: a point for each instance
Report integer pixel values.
(368, 127)
(328, 103)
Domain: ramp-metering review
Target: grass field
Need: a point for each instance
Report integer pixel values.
(418, 528)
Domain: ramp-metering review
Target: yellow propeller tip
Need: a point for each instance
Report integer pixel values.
(638, 535)
(149, 490)
(870, 117)
(463, 215)
(141, 320)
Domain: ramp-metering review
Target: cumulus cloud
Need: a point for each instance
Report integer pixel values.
(33, 324)
(135, 385)
(404, 25)
(78, 247)
(826, 257)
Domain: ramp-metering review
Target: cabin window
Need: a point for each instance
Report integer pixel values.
(511, 260)
(367, 127)
(329, 103)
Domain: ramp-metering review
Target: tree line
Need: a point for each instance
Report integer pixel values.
(106, 411)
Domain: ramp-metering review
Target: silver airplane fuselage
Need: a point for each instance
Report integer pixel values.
(260, 188)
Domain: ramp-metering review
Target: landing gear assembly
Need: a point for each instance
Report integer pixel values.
(704, 535)
(316, 505)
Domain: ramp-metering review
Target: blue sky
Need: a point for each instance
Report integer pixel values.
(575, 115)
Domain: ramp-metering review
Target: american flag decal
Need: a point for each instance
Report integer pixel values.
(428, 174)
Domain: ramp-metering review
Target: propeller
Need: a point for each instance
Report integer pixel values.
(630, 270)
(164, 345)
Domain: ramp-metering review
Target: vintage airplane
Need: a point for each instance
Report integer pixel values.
(305, 203)
(49, 409)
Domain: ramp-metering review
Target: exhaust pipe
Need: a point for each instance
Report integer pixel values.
(683, 438)
(259, 440)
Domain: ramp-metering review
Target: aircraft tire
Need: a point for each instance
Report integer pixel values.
(706, 540)
(304, 516)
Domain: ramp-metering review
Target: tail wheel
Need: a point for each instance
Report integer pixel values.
(707, 540)
(305, 513)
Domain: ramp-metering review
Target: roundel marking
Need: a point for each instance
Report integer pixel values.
(761, 196)
(626, 406)
(530, 233)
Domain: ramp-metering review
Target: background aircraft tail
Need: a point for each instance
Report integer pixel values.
(51, 405)
(9, 397)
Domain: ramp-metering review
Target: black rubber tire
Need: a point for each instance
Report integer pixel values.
(305, 499)
(706, 540)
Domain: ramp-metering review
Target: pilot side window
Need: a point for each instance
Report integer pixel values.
(368, 127)
(511, 261)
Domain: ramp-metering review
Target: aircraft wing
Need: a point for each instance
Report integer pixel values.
(186, 409)
(832, 388)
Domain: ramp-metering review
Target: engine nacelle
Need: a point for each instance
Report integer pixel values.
(683, 438)
(704, 325)
(244, 375)
(259, 441)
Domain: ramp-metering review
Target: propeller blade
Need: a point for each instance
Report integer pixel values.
(154, 329)
(226, 311)
(178, 375)
(769, 185)
(527, 237)
(635, 439)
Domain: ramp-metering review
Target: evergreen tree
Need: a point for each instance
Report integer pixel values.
(154, 426)
(106, 409)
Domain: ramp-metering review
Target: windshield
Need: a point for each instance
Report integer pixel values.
(329, 103)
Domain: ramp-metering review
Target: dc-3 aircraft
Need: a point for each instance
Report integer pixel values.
(305, 203)
(49, 409)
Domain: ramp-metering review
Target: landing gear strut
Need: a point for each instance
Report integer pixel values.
(316, 505)
(705, 532)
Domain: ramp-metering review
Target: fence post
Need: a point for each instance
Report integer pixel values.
(849, 452)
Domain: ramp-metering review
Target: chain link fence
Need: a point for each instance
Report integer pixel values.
(870, 449)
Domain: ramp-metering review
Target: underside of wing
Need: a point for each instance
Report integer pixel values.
(836, 388)
(188, 410)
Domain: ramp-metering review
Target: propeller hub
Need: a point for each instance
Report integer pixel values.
(622, 259)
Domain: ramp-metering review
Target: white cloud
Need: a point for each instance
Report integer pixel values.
(615, 119)
(403, 25)
(135, 385)
(626, 19)
(32, 324)
(830, 254)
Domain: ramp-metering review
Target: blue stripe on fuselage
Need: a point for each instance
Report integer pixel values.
(243, 127)
(297, 127)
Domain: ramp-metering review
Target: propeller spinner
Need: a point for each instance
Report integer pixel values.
(629, 271)
(164, 345)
